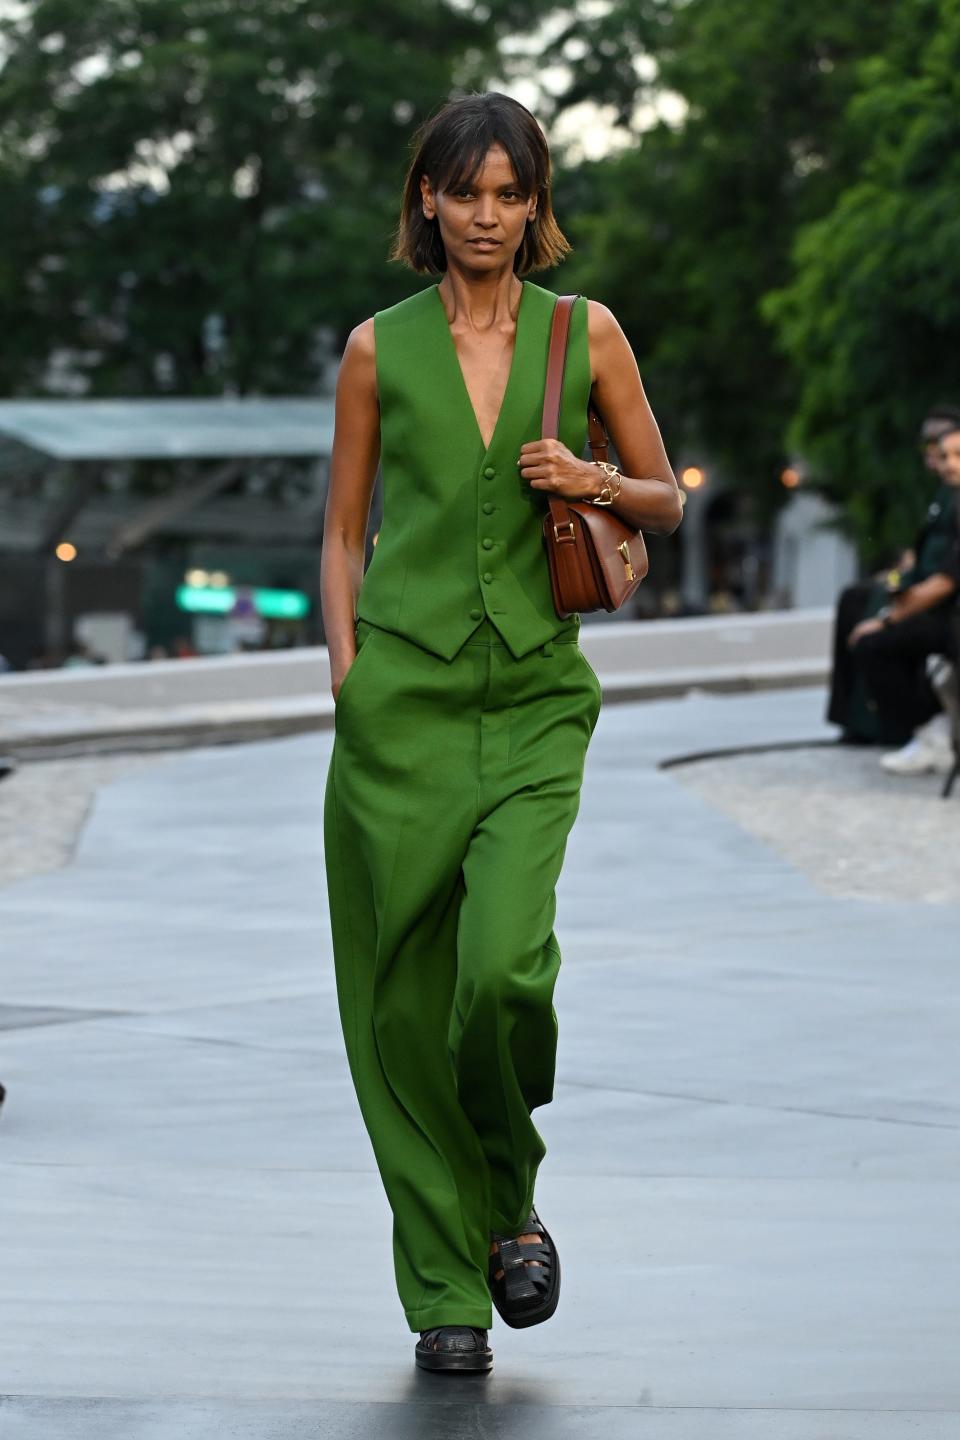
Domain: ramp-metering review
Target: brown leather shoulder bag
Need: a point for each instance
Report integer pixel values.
(596, 561)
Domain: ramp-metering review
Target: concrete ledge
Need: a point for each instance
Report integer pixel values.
(716, 679)
(183, 726)
(224, 699)
(176, 727)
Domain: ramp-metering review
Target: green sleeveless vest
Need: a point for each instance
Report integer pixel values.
(461, 533)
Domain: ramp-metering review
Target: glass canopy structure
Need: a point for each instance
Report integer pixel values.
(56, 455)
(107, 504)
(86, 430)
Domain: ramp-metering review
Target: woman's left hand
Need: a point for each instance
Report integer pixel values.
(550, 465)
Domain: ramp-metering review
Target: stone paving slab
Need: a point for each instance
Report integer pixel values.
(424, 1416)
(208, 1280)
(23, 1017)
(752, 1164)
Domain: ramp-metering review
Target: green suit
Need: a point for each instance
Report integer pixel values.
(461, 731)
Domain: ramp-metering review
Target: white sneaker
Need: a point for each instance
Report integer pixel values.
(935, 733)
(920, 756)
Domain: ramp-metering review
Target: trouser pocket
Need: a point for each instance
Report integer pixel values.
(364, 633)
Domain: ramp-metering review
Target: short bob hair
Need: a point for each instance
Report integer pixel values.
(450, 148)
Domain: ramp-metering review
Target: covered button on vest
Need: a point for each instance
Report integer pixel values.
(461, 534)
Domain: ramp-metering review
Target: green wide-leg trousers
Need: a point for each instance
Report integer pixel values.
(451, 791)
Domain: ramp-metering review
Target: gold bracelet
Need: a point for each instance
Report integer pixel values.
(607, 493)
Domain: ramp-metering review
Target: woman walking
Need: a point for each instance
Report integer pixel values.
(463, 711)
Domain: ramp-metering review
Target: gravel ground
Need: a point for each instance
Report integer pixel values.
(43, 806)
(833, 812)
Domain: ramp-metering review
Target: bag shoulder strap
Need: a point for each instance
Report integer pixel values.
(556, 363)
(552, 390)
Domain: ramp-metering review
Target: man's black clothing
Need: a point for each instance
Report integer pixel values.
(850, 704)
(879, 689)
(892, 662)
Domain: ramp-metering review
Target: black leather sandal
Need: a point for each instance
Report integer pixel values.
(525, 1294)
(454, 1347)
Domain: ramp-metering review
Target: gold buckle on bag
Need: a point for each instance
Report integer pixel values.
(568, 527)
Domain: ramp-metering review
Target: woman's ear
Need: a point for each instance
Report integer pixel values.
(426, 196)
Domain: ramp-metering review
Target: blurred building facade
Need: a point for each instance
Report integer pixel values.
(134, 529)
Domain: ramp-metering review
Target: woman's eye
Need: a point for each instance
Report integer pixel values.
(463, 194)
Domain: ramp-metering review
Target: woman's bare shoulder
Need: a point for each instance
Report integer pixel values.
(358, 363)
(601, 321)
(361, 342)
(604, 336)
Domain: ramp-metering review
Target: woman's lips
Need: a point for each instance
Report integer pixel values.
(484, 244)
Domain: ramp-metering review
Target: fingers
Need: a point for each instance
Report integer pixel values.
(538, 464)
(540, 449)
(550, 465)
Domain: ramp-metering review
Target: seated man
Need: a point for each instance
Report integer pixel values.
(891, 648)
(850, 704)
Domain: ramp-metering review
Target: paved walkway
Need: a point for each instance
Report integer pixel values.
(753, 1170)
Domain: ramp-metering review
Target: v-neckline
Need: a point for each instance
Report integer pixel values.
(511, 374)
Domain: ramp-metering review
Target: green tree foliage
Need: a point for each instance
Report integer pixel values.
(193, 189)
(871, 317)
(684, 234)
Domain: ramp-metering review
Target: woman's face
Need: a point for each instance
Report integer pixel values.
(950, 457)
(481, 225)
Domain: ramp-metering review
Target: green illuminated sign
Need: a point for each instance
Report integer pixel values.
(222, 600)
(281, 604)
(201, 600)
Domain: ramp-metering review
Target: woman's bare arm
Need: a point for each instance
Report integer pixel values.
(649, 496)
(353, 471)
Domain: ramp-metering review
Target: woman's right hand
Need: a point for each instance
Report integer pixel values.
(335, 684)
